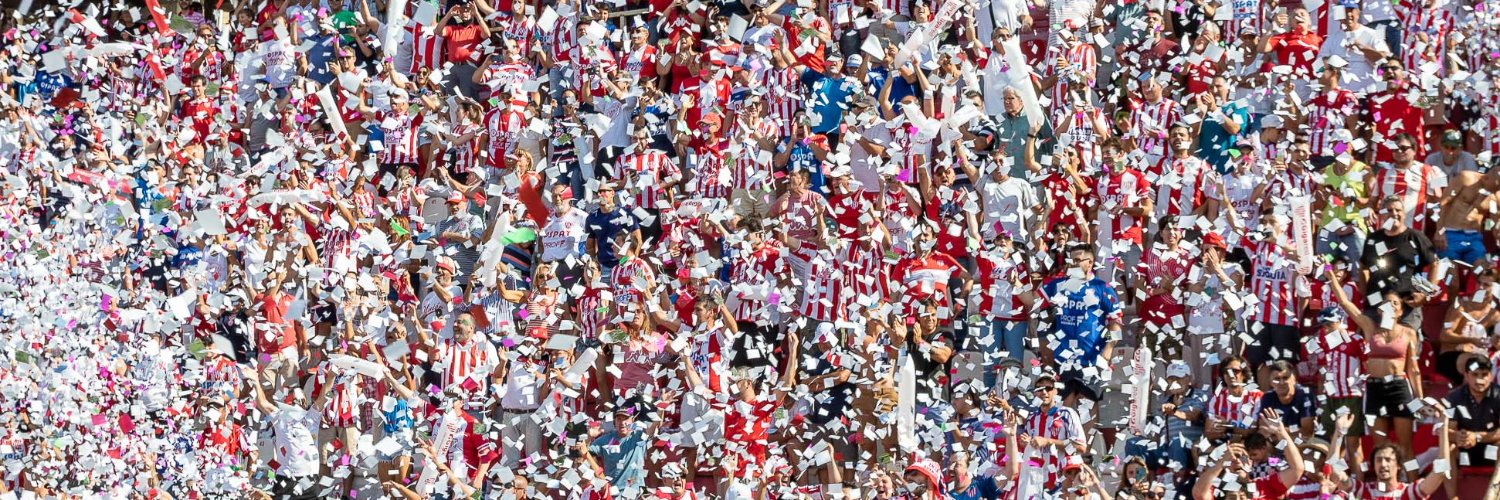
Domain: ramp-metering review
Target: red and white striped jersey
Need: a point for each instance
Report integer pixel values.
(504, 125)
(824, 298)
(784, 86)
(1433, 22)
(541, 314)
(401, 137)
(1239, 411)
(707, 353)
(708, 181)
(592, 312)
(456, 362)
(1245, 13)
(338, 246)
(1326, 113)
(756, 269)
(466, 154)
(867, 274)
(1083, 64)
(1273, 280)
(1415, 184)
(1489, 106)
(751, 171)
(1059, 423)
(1179, 185)
(560, 39)
(426, 48)
(1126, 187)
(519, 29)
(908, 148)
(511, 75)
(630, 280)
(641, 63)
(1340, 364)
(221, 375)
(1151, 121)
(999, 294)
(1287, 184)
(1081, 134)
(1369, 490)
(648, 170)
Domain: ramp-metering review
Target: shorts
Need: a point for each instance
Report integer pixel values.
(1273, 343)
(1388, 397)
(1330, 412)
(404, 442)
(296, 488)
(1463, 246)
(751, 204)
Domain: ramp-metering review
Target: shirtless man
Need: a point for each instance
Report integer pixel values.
(1475, 198)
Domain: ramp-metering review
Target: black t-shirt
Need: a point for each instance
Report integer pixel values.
(1393, 260)
(836, 402)
(931, 386)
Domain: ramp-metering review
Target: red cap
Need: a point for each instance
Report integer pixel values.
(1216, 241)
(930, 470)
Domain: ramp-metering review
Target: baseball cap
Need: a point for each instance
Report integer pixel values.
(929, 469)
(854, 61)
(1331, 314)
(1272, 121)
(1453, 138)
(1178, 369)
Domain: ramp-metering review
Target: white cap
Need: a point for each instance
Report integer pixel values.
(1272, 121)
(1335, 62)
(1177, 369)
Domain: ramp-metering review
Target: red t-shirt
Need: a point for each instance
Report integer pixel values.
(1395, 114)
(1270, 488)
(1297, 50)
(278, 334)
(460, 40)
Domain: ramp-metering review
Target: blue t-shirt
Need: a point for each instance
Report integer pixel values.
(900, 88)
(603, 226)
(1081, 309)
(624, 459)
(802, 158)
(1214, 143)
(829, 99)
(982, 487)
(1292, 413)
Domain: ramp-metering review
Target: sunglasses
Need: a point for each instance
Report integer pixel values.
(1406, 147)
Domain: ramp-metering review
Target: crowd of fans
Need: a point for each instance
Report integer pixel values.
(750, 249)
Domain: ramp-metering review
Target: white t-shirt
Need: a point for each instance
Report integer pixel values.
(295, 431)
(1360, 75)
(619, 113)
(523, 387)
(1007, 203)
(993, 14)
(1464, 163)
(279, 59)
(564, 235)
